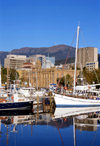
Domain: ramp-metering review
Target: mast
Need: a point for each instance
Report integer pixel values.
(77, 41)
(8, 76)
(36, 80)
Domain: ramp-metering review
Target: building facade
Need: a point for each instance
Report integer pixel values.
(46, 62)
(87, 57)
(42, 78)
(49, 62)
(14, 61)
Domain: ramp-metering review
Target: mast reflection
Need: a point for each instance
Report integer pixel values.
(84, 119)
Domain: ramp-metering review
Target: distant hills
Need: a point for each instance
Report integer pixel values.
(60, 52)
(2, 56)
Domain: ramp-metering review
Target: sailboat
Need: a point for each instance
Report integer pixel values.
(74, 99)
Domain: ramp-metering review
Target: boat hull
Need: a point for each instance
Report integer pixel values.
(16, 105)
(66, 101)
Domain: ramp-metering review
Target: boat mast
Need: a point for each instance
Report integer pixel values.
(77, 41)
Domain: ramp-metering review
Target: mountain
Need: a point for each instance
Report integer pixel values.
(2, 56)
(60, 52)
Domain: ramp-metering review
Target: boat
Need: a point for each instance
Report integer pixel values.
(27, 91)
(8, 113)
(15, 102)
(31, 92)
(75, 101)
(9, 101)
(82, 96)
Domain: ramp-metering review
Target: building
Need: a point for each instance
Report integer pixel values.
(14, 61)
(49, 62)
(87, 57)
(68, 66)
(51, 59)
(42, 78)
(92, 65)
(46, 62)
(34, 58)
(34, 73)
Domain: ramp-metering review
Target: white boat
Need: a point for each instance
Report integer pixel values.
(39, 93)
(78, 99)
(15, 102)
(30, 92)
(27, 92)
(68, 101)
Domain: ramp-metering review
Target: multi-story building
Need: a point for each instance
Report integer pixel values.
(92, 65)
(88, 57)
(34, 58)
(46, 62)
(14, 61)
(17, 61)
(49, 62)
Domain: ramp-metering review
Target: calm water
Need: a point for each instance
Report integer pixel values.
(64, 127)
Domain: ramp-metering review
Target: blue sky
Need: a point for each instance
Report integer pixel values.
(38, 23)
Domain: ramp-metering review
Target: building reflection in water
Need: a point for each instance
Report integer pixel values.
(88, 122)
(59, 118)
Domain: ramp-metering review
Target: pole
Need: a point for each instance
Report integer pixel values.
(36, 81)
(78, 28)
(8, 77)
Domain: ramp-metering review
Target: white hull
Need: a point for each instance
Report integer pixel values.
(66, 101)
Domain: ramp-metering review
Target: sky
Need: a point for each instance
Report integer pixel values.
(44, 23)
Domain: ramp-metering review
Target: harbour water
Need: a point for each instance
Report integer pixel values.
(61, 127)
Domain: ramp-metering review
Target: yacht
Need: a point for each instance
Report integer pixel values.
(82, 96)
(15, 102)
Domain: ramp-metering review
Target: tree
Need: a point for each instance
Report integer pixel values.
(3, 75)
(65, 81)
(68, 80)
(91, 76)
(13, 75)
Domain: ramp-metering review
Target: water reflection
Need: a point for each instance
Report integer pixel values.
(63, 119)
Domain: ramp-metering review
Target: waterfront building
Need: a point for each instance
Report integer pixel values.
(14, 61)
(42, 78)
(87, 57)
